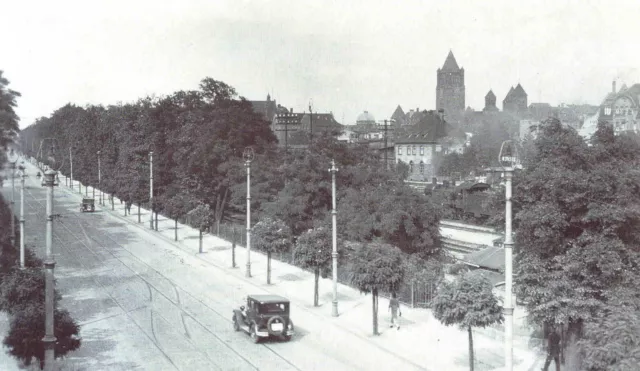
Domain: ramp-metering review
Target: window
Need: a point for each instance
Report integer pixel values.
(421, 167)
(607, 111)
(399, 150)
(410, 166)
(421, 151)
(414, 150)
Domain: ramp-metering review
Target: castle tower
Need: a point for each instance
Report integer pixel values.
(490, 102)
(450, 90)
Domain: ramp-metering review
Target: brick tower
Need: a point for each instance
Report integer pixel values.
(450, 88)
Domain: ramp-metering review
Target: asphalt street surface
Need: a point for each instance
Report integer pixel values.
(143, 304)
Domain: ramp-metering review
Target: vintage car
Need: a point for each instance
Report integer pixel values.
(264, 316)
(88, 204)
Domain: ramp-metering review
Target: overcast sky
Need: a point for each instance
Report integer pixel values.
(347, 56)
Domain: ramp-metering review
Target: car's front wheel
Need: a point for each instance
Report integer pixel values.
(286, 337)
(254, 335)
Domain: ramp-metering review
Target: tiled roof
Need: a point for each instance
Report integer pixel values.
(519, 91)
(490, 94)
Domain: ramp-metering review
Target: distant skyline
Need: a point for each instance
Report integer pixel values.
(347, 56)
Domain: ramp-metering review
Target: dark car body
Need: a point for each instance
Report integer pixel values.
(265, 316)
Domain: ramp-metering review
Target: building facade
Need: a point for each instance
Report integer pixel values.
(622, 108)
(450, 89)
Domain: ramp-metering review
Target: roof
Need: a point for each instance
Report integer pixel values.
(269, 298)
(490, 257)
(472, 186)
(490, 94)
(267, 108)
(365, 116)
(288, 118)
(398, 114)
(450, 64)
(519, 90)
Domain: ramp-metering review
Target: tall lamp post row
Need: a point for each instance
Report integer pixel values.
(49, 264)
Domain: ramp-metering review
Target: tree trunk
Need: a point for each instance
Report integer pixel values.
(138, 213)
(374, 298)
(268, 267)
(200, 241)
(113, 207)
(412, 296)
(156, 221)
(176, 229)
(316, 273)
(470, 349)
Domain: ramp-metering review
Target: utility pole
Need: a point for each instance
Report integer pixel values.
(99, 179)
(13, 158)
(22, 176)
(508, 158)
(386, 164)
(71, 169)
(310, 123)
(49, 339)
(334, 238)
(248, 157)
(151, 189)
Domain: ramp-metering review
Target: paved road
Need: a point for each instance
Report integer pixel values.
(143, 304)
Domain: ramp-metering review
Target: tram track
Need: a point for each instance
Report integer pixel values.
(176, 303)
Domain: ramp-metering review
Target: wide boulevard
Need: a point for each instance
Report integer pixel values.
(143, 304)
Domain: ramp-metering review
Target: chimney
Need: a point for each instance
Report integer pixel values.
(290, 110)
(613, 87)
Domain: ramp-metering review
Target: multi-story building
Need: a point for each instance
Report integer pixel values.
(516, 100)
(622, 108)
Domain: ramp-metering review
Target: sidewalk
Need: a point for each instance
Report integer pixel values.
(421, 340)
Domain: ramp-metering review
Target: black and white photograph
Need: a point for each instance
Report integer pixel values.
(319, 185)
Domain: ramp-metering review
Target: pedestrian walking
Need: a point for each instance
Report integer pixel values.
(553, 351)
(394, 308)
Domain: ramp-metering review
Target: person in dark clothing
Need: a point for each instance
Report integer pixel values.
(553, 353)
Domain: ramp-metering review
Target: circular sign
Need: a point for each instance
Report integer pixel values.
(248, 154)
(508, 154)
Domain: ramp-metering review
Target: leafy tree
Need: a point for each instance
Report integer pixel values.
(394, 213)
(467, 302)
(26, 331)
(421, 272)
(612, 342)
(200, 217)
(313, 251)
(22, 289)
(271, 236)
(176, 205)
(376, 267)
(8, 117)
(575, 208)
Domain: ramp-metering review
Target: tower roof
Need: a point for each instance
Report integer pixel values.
(450, 63)
(490, 94)
(519, 90)
(398, 113)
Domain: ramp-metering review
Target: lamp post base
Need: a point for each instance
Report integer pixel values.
(334, 308)
(248, 272)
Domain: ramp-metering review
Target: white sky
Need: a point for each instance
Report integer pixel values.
(347, 55)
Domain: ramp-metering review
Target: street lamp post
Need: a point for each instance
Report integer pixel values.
(22, 176)
(508, 158)
(49, 339)
(99, 180)
(248, 155)
(13, 158)
(71, 169)
(334, 237)
(151, 189)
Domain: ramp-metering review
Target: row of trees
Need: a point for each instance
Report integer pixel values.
(198, 137)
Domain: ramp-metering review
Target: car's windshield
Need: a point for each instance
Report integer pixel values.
(274, 308)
